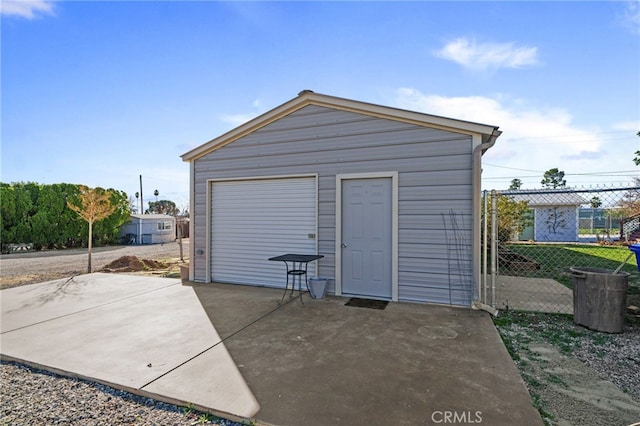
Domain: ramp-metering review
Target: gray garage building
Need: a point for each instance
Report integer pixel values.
(390, 197)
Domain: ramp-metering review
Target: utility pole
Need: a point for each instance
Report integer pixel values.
(141, 197)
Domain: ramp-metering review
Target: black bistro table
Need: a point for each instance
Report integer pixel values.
(296, 267)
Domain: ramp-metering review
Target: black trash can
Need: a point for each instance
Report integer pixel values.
(599, 298)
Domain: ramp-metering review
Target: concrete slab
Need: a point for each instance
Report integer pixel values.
(533, 294)
(323, 363)
(135, 340)
(204, 384)
(30, 304)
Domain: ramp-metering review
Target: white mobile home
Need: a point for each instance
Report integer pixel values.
(149, 229)
(389, 197)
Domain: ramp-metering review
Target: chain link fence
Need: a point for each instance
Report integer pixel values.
(533, 237)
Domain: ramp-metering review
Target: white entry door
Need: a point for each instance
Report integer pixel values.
(367, 237)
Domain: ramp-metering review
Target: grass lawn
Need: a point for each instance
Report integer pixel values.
(556, 259)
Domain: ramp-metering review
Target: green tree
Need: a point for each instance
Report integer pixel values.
(37, 213)
(553, 178)
(92, 205)
(636, 159)
(107, 231)
(515, 184)
(163, 207)
(8, 213)
(53, 223)
(595, 202)
(17, 207)
(513, 217)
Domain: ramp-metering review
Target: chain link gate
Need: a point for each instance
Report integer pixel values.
(532, 237)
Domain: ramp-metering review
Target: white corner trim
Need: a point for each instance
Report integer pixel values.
(394, 225)
(207, 233)
(192, 225)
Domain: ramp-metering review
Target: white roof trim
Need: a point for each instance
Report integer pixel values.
(310, 98)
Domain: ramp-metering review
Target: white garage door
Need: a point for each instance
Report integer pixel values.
(253, 220)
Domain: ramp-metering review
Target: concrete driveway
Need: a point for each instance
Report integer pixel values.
(234, 351)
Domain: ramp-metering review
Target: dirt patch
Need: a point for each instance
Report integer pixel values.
(18, 280)
(133, 264)
(575, 376)
(36, 267)
(573, 392)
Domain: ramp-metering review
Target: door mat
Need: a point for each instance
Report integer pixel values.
(367, 303)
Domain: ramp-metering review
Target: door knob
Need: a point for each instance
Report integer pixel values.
(343, 245)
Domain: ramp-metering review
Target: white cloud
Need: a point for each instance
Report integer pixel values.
(631, 16)
(628, 126)
(534, 138)
(237, 119)
(28, 9)
(488, 56)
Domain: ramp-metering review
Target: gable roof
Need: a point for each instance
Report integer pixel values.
(308, 97)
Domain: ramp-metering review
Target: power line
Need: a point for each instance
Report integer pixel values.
(614, 173)
(631, 133)
(602, 173)
(511, 168)
(522, 141)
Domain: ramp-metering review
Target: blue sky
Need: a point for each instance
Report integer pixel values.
(99, 93)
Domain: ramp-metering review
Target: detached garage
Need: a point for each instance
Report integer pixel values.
(389, 197)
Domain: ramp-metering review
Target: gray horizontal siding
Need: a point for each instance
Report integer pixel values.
(344, 161)
(434, 180)
(272, 146)
(198, 239)
(433, 221)
(436, 177)
(433, 236)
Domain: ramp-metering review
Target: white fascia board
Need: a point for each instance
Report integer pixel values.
(397, 114)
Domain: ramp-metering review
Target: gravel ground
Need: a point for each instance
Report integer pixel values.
(32, 397)
(575, 376)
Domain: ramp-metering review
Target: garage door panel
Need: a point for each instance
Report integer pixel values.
(253, 220)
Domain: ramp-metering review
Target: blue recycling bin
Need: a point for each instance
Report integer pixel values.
(636, 249)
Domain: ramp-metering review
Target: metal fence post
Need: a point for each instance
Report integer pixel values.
(494, 244)
(482, 290)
